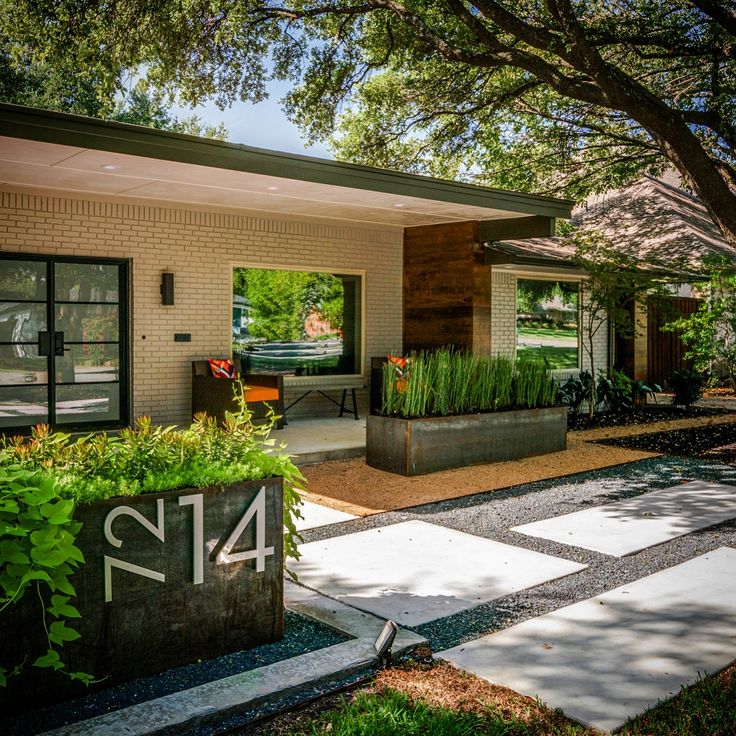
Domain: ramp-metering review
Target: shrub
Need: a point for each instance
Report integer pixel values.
(448, 382)
(687, 386)
(615, 391)
(576, 392)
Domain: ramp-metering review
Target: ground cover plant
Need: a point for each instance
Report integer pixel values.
(449, 382)
(438, 699)
(43, 478)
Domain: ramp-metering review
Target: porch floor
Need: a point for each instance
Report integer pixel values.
(315, 440)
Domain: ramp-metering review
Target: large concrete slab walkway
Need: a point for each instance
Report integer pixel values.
(613, 656)
(631, 525)
(415, 572)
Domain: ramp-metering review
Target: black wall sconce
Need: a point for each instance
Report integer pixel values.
(167, 288)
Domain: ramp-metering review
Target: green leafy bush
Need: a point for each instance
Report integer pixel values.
(615, 391)
(576, 392)
(687, 386)
(37, 557)
(448, 382)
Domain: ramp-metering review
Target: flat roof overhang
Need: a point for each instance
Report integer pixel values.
(49, 150)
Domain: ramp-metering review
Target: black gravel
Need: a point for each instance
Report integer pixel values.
(301, 635)
(491, 514)
(688, 442)
(646, 415)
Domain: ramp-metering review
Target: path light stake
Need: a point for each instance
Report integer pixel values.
(383, 643)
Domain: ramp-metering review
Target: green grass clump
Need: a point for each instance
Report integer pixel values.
(448, 382)
(393, 713)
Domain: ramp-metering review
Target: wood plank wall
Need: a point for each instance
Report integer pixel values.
(447, 288)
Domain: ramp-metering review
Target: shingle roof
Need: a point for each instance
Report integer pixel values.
(648, 219)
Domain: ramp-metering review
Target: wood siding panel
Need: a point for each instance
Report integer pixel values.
(665, 349)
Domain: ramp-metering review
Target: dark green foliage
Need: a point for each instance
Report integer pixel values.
(449, 382)
(37, 558)
(615, 392)
(710, 333)
(642, 390)
(576, 392)
(687, 386)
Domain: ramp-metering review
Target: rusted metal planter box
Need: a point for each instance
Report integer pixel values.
(429, 444)
(169, 578)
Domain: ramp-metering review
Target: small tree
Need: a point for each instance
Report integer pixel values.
(710, 333)
(614, 282)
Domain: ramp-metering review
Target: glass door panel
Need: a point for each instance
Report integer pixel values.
(62, 318)
(24, 391)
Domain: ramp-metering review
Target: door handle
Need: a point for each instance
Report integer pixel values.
(59, 348)
(44, 343)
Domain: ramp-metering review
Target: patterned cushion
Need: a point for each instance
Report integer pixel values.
(222, 368)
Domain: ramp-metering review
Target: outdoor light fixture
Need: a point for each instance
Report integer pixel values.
(167, 288)
(384, 640)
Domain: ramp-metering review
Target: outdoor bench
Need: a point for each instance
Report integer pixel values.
(334, 384)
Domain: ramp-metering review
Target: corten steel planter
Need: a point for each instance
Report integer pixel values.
(169, 578)
(429, 444)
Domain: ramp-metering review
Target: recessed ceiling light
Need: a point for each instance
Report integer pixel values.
(399, 204)
(272, 189)
(110, 167)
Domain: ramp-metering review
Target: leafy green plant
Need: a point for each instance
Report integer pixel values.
(687, 386)
(576, 391)
(642, 390)
(449, 382)
(710, 332)
(615, 391)
(38, 555)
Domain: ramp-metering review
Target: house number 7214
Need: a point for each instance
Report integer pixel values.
(256, 510)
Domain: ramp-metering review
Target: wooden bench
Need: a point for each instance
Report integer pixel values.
(215, 396)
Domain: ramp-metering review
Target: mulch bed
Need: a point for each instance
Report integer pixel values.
(716, 442)
(648, 415)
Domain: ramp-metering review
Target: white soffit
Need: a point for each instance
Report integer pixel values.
(49, 150)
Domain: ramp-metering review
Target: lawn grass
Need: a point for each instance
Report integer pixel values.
(556, 358)
(442, 701)
(548, 332)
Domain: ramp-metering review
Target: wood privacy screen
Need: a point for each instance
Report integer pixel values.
(665, 350)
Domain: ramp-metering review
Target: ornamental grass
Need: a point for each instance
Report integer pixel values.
(448, 382)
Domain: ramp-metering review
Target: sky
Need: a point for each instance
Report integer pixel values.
(263, 125)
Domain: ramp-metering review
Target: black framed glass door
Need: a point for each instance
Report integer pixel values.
(63, 342)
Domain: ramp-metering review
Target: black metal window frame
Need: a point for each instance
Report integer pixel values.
(123, 304)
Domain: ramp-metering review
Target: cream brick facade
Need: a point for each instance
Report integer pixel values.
(201, 246)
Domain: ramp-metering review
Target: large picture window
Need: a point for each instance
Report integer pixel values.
(299, 323)
(547, 322)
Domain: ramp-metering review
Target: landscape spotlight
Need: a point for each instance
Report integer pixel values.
(384, 640)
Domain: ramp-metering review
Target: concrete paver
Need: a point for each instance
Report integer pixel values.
(315, 515)
(414, 572)
(611, 657)
(625, 527)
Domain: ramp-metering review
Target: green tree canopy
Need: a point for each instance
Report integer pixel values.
(59, 84)
(568, 96)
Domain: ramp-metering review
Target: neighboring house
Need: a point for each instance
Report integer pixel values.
(93, 213)
(650, 219)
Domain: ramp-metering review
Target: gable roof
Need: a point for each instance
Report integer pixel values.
(648, 219)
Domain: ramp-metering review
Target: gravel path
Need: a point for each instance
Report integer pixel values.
(491, 514)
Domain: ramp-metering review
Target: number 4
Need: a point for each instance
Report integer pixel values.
(259, 554)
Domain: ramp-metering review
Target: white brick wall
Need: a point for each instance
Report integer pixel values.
(200, 247)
